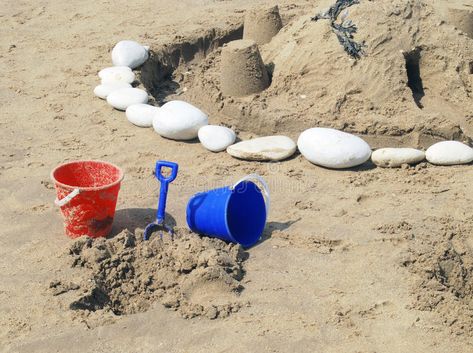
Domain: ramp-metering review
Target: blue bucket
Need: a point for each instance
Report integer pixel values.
(235, 213)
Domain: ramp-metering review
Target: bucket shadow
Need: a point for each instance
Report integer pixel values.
(132, 218)
(271, 227)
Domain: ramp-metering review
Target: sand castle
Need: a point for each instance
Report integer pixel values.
(243, 70)
(262, 24)
(238, 70)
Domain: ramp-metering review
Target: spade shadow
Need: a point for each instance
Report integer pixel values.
(132, 218)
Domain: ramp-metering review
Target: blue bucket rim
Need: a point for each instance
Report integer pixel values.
(232, 190)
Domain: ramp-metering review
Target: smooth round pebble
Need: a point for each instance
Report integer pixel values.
(141, 114)
(395, 157)
(179, 120)
(333, 148)
(268, 148)
(449, 153)
(117, 73)
(103, 90)
(124, 97)
(216, 138)
(129, 53)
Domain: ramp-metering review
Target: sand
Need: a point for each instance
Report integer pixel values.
(125, 274)
(362, 260)
(441, 255)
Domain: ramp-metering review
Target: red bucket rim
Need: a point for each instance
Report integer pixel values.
(88, 188)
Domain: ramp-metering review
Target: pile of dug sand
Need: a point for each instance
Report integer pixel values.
(441, 257)
(413, 86)
(197, 276)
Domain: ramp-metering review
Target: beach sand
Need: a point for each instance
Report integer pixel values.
(360, 260)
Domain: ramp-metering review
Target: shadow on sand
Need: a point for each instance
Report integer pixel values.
(132, 218)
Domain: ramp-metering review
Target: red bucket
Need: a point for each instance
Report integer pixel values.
(87, 193)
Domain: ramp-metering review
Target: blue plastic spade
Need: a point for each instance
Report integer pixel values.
(159, 224)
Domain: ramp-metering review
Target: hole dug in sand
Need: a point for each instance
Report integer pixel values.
(414, 79)
(196, 276)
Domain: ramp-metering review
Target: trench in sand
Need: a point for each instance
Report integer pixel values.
(157, 72)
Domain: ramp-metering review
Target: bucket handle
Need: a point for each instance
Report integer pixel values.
(67, 199)
(265, 189)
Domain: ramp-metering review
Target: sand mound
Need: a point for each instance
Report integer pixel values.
(442, 259)
(412, 88)
(125, 274)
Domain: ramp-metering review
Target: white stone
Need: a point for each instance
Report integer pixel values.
(103, 90)
(216, 138)
(117, 73)
(129, 53)
(333, 148)
(179, 120)
(268, 148)
(449, 153)
(141, 114)
(124, 97)
(395, 157)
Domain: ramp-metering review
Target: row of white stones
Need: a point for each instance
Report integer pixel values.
(180, 120)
